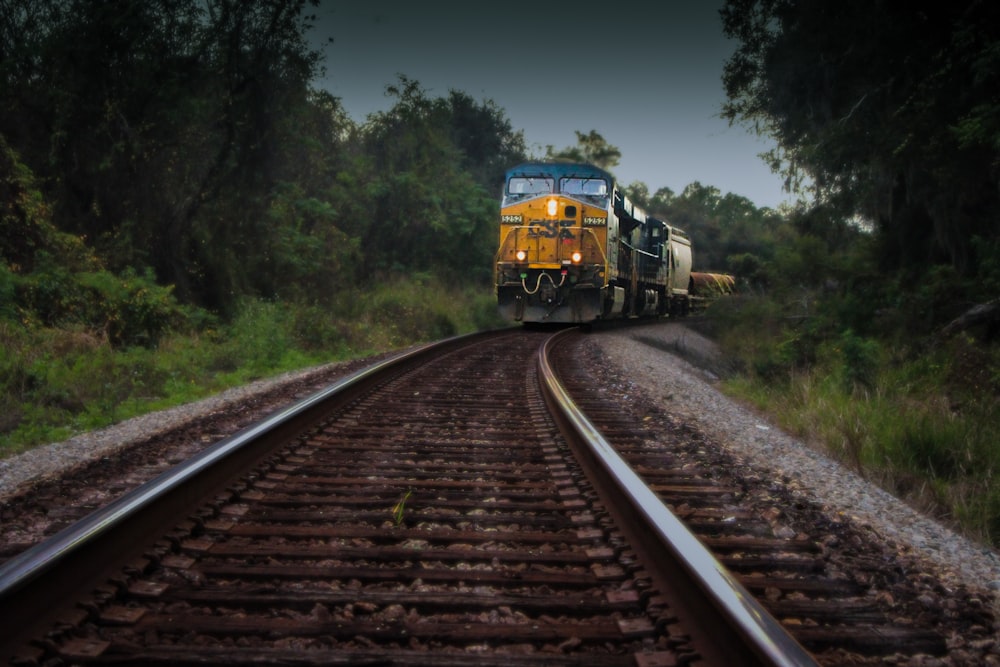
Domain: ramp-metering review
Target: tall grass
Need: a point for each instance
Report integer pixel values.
(57, 382)
(924, 422)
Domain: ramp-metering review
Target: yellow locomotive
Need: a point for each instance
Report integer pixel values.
(573, 248)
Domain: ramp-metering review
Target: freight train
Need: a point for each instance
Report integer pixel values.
(573, 248)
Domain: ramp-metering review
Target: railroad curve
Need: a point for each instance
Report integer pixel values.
(438, 517)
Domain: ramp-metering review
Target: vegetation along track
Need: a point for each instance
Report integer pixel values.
(439, 518)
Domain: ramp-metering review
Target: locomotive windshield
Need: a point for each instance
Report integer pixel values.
(584, 186)
(528, 185)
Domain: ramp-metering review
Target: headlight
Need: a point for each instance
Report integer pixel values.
(521, 255)
(552, 207)
(577, 257)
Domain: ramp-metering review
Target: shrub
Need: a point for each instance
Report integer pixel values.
(860, 359)
(260, 336)
(8, 281)
(130, 309)
(317, 329)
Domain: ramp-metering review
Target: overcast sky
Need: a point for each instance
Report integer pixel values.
(646, 76)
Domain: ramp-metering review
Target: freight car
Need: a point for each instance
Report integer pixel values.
(573, 248)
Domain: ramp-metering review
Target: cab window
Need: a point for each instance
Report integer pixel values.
(584, 186)
(527, 185)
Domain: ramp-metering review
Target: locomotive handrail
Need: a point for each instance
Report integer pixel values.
(600, 247)
(496, 258)
(720, 608)
(639, 250)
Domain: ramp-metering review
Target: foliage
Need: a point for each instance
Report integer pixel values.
(157, 126)
(50, 278)
(888, 112)
(591, 148)
(58, 381)
(728, 232)
(425, 206)
(26, 226)
(420, 307)
(308, 254)
(920, 414)
(859, 362)
(184, 138)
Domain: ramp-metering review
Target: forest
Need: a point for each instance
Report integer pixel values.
(182, 209)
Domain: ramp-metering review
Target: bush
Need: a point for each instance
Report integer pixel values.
(8, 284)
(260, 340)
(859, 362)
(423, 307)
(54, 381)
(130, 309)
(318, 329)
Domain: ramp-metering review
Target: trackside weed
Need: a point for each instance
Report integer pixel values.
(400, 507)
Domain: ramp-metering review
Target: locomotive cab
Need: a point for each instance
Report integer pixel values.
(573, 248)
(551, 263)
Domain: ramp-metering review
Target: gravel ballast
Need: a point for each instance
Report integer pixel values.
(651, 358)
(49, 462)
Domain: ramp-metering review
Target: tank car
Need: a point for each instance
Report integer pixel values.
(573, 248)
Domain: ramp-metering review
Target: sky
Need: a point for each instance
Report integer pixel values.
(646, 77)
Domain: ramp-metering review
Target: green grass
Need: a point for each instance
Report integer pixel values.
(923, 423)
(58, 382)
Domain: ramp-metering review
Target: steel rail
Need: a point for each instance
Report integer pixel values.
(713, 606)
(78, 558)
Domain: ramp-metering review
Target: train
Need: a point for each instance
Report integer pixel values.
(574, 249)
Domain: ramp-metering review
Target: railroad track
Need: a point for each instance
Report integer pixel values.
(425, 511)
(835, 588)
(432, 514)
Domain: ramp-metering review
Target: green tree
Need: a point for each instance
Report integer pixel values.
(638, 193)
(433, 174)
(51, 278)
(159, 126)
(719, 225)
(889, 110)
(728, 232)
(591, 148)
(485, 137)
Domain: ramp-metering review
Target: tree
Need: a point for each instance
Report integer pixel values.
(720, 226)
(591, 148)
(485, 137)
(162, 128)
(434, 167)
(51, 278)
(890, 109)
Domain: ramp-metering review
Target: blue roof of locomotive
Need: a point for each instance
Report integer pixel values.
(622, 205)
(559, 170)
